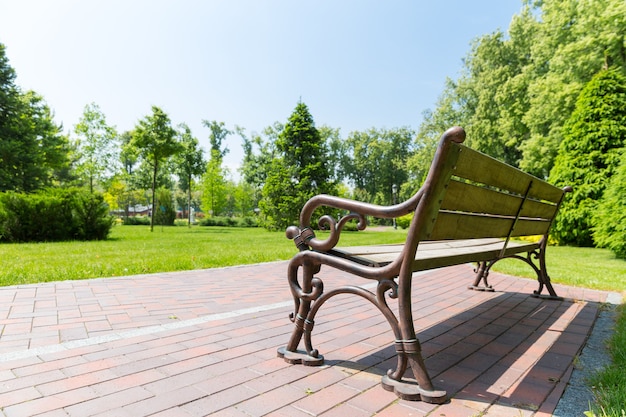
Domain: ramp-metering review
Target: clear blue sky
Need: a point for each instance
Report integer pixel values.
(356, 63)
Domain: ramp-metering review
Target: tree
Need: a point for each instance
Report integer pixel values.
(609, 219)
(33, 151)
(594, 138)
(189, 163)
(214, 196)
(217, 136)
(516, 92)
(378, 160)
(576, 39)
(96, 146)
(155, 140)
(297, 172)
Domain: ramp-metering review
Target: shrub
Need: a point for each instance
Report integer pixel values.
(137, 221)
(166, 211)
(53, 215)
(91, 217)
(229, 221)
(404, 221)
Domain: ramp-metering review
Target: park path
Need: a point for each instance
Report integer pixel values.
(204, 342)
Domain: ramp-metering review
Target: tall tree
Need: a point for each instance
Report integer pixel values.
(33, 151)
(155, 139)
(219, 133)
(96, 146)
(594, 138)
(609, 219)
(575, 40)
(214, 196)
(378, 161)
(298, 171)
(189, 163)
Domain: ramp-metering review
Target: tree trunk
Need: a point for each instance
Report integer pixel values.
(154, 174)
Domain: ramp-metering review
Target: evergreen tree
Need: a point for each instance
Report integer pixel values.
(593, 140)
(33, 151)
(297, 172)
(610, 218)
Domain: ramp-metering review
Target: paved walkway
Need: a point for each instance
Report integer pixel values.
(204, 343)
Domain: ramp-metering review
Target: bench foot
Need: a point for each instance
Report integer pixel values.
(536, 294)
(299, 357)
(409, 390)
(481, 288)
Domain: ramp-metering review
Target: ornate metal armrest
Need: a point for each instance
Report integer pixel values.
(304, 237)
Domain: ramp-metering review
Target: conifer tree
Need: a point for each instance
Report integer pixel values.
(593, 140)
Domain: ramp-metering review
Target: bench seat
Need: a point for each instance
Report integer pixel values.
(436, 254)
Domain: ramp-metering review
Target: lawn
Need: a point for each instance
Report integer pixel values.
(135, 250)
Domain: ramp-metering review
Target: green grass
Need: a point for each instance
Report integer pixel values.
(581, 267)
(135, 250)
(609, 385)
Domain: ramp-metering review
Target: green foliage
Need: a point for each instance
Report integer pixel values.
(215, 186)
(33, 152)
(154, 140)
(53, 215)
(136, 221)
(96, 148)
(378, 160)
(593, 140)
(297, 172)
(516, 92)
(405, 221)
(165, 209)
(610, 217)
(189, 163)
(230, 221)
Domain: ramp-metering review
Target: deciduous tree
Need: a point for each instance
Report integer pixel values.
(155, 139)
(96, 146)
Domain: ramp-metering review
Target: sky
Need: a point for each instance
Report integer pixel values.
(356, 64)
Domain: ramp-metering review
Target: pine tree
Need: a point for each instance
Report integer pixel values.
(297, 173)
(593, 140)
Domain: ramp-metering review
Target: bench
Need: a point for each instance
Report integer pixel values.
(471, 208)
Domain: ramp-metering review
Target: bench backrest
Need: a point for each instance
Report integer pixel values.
(471, 195)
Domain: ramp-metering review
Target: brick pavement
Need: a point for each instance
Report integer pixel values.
(204, 342)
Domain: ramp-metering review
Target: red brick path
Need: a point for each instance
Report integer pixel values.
(204, 343)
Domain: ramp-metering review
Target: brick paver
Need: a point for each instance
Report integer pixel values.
(204, 343)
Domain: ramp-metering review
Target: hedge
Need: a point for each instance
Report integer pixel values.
(53, 215)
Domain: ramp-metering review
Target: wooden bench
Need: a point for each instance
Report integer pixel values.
(471, 208)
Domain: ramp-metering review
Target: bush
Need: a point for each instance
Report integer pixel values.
(53, 215)
(166, 211)
(137, 221)
(229, 221)
(404, 221)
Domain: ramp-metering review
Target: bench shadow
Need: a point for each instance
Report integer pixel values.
(511, 349)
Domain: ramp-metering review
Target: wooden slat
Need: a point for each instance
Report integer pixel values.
(530, 227)
(456, 225)
(472, 198)
(475, 166)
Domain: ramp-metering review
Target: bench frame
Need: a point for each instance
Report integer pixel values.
(469, 209)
